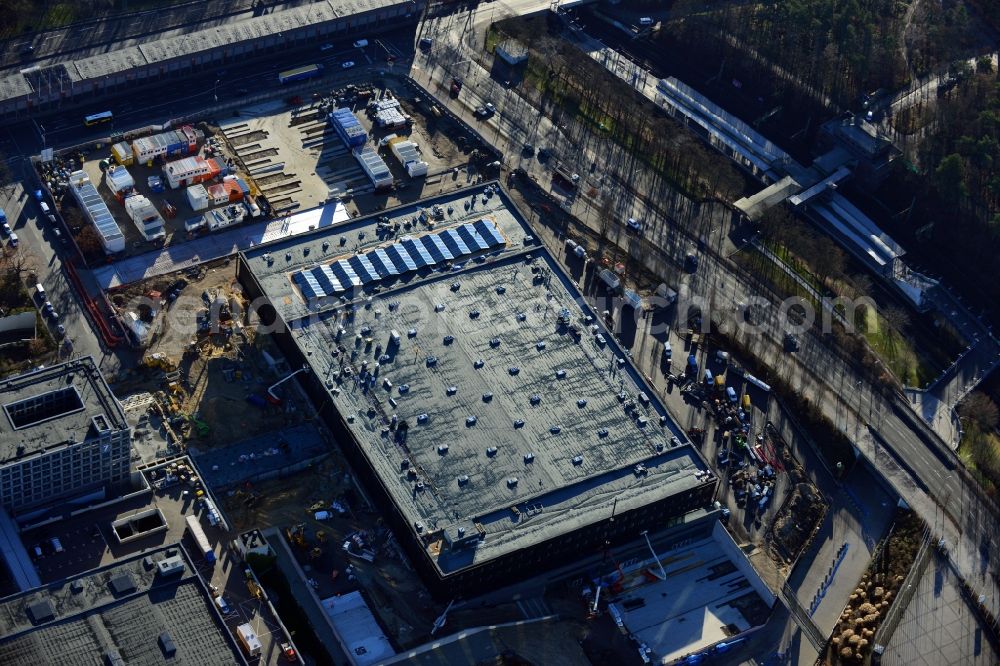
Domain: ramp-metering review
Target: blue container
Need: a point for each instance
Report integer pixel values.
(256, 400)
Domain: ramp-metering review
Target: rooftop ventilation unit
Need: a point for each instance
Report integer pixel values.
(518, 423)
(487, 397)
(539, 345)
(443, 448)
(536, 399)
(474, 314)
(478, 364)
(511, 482)
(464, 479)
(501, 289)
(470, 421)
(642, 421)
(412, 333)
(581, 403)
(577, 460)
(521, 316)
(674, 441)
(603, 432)
(451, 390)
(491, 451)
(455, 286)
(439, 307)
(555, 430)
(448, 339)
(529, 458)
(513, 370)
(431, 361)
(495, 342)
(560, 374)
(422, 418)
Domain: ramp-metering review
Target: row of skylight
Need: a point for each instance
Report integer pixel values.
(407, 255)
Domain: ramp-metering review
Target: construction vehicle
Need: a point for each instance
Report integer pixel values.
(199, 427)
(296, 535)
(158, 360)
(253, 587)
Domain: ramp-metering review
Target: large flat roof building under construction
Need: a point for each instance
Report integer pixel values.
(486, 407)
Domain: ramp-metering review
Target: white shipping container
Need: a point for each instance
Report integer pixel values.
(197, 196)
(415, 169)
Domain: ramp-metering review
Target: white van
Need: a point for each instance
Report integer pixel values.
(361, 43)
(646, 20)
(223, 606)
(40, 292)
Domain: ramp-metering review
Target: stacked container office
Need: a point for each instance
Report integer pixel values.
(374, 167)
(120, 182)
(182, 141)
(190, 170)
(348, 128)
(92, 203)
(147, 219)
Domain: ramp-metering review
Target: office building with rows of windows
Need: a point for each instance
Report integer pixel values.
(62, 434)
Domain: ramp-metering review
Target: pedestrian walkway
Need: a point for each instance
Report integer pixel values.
(938, 627)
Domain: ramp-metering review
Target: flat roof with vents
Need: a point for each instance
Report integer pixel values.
(86, 621)
(482, 320)
(47, 408)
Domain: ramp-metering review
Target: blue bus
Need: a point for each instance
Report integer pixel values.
(97, 118)
(300, 73)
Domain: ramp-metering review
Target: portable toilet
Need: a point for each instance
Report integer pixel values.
(746, 402)
(720, 383)
(731, 394)
(693, 363)
(708, 377)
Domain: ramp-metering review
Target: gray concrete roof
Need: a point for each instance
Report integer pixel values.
(90, 620)
(483, 317)
(225, 467)
(95, 399)
(124, 57)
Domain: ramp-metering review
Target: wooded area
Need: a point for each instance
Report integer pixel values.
(560, 79)
(836, 49)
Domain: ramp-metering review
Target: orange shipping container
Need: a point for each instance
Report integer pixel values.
(233, 190)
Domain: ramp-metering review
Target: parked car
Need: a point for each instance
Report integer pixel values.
(347, 64)
(7, 231)
(634, 225)
(361, 43)
(426, 43)
(13, 239)
(326, 47)
(646, 20)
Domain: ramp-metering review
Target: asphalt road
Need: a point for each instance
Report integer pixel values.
(45, 254)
